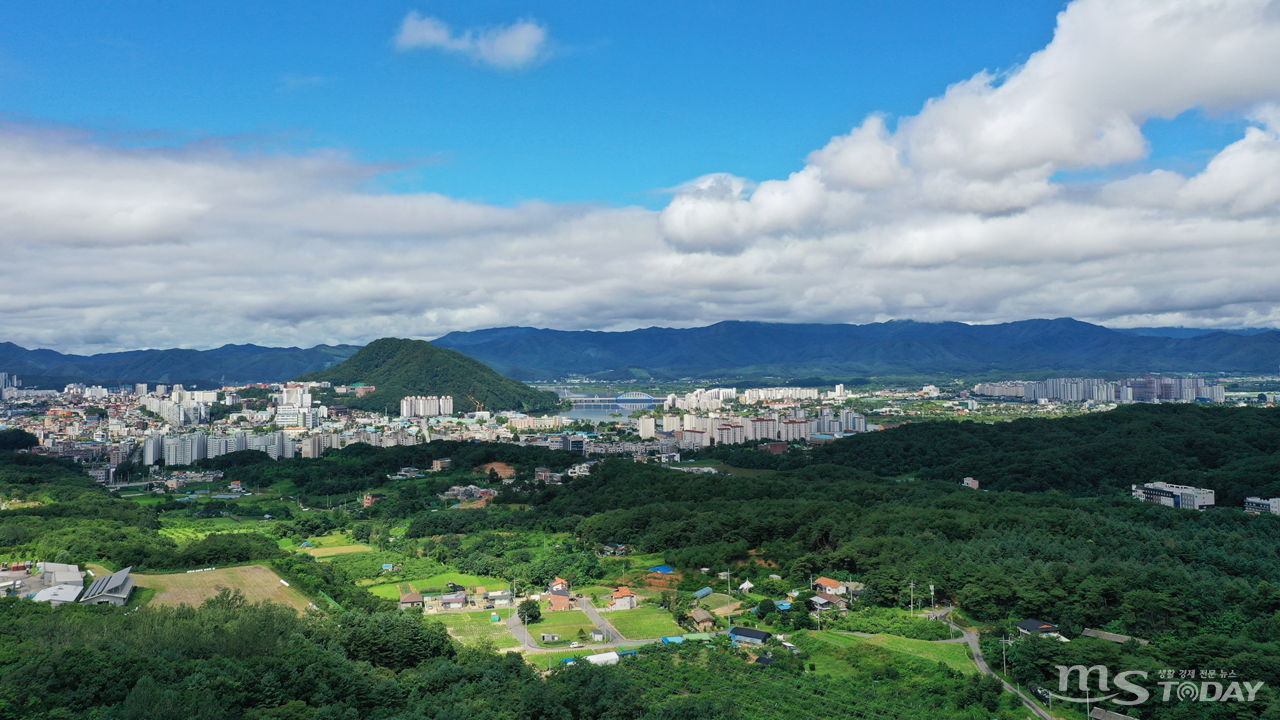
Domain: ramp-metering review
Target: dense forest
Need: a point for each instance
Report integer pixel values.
(1232, 451)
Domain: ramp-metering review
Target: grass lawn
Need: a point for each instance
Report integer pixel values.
(953, 654)
(472, 626)
(566, 623)
(257, 582)
(644, 622)
(717, 602)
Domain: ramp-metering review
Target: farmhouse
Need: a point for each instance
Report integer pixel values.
(558, 584)
(829, 586)
(561, 600)
(623, 599)
(703, 618)
(453, 601)
(410, 600)
(1031, 626)
(499, 597)
(112, 589)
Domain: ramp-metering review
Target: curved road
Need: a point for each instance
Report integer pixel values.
(981, 662)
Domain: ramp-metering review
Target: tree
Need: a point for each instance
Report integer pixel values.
(17, 439)
(529, 611)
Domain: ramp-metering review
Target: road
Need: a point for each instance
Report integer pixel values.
(981, 662)
(610, 634)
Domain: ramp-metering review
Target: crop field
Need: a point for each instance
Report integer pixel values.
(719, 603)
(566, 623)
(439, 583)
(472, 626)
(643, 623)
(323, 546)
(343, 550)
(257, 582)
(189, 531)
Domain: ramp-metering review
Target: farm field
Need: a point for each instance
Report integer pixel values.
(643, 623)
(472, 626)
(184, 531)
(326, 545)
(437, 584)
(257, 582)
(566, 623)
(331, 551)
(953, 654)
(549, 660)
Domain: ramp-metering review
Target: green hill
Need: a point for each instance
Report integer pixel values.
(399, 368)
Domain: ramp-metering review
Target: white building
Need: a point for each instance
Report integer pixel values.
(1179, 496)
(1260, 506)
(730, 434)
(647, 428)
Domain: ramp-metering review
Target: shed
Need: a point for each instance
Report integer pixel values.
(1112, 637)
(702, 593)
(703, 618)
(58, 594)
(597, 636)
(749, 635)
(673, 640)
(550, 637)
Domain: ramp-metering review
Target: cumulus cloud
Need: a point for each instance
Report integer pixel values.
(951, 214)
(505, 46)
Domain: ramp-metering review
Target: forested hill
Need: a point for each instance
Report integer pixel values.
(1233, 451)
(399, 368)
(1063, 346)
(229, 363)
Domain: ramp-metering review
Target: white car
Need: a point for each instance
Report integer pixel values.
(575, 644)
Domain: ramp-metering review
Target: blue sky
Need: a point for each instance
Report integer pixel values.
(633, 98)
(182, 175)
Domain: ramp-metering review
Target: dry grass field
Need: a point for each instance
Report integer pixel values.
(257, 582)
(323, 552)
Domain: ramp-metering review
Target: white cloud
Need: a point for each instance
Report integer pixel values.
(952, 214)
(505, 46)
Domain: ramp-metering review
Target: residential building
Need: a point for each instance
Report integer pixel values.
(410, 600)
(647, 428)
(730, 434)
(827, 585)
(371, 498)
(560, 600)
(312, 447)
(623, 599)
(443, 464)
(1032, 626)
(969, 483)
(1179, 496)
(454, 600)
(703, 618)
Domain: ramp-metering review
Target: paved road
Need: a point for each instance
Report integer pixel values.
(981, 662)
(517, 628)
(610, 634)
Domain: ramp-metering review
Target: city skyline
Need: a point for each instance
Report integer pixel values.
(424, 170)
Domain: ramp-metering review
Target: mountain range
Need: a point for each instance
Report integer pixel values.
(900, 347)
(229, 363)
(399, 368)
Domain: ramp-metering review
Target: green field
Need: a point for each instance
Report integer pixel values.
(472, 626)
(183, 531)
(566, 623)
(547, 661)
(952, 654)
(643, 623)
(437, 584)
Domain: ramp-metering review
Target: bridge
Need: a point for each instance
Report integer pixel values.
(630, 402)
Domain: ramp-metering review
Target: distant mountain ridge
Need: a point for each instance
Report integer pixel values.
(399, 368)
(897, 347)
(234, 363)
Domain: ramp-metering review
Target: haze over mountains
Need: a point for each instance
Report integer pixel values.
(746, 349)
(1063, 346)
(229, 363)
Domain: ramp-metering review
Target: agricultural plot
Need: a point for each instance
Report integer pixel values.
(643, 623)
(470, 627)
(439, 583)
(322, 546)
(953, 654)
(257, 582)
(565, 623)
(550, 660)
(186, 532)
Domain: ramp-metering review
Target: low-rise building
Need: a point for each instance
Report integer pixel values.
(1260, 506)
(1032, 626)
(623, 599)
(110, 589)
(1179, 496)
(749, 636)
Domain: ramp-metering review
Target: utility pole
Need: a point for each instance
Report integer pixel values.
(1005, 642)
(913, 597)
(932, 602)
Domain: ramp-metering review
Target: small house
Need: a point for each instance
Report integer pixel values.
(550, 637)
(1032, 626)
(703, 618)
(597, 636)
(829, 586)
(499, 598)
(833, 601)
(453, 601)
(410, 600)
(623, 599)
(558, 584)
(749, 636)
